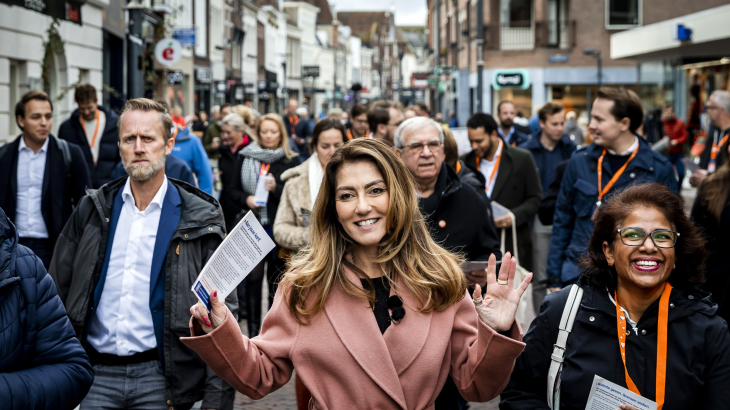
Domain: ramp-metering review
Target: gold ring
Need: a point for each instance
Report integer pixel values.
(502, 282)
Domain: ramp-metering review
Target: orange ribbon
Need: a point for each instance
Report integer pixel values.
(494, 170)
(616, 176)
(264, 169)
(96, 129)
(713, 154)
(661, 350)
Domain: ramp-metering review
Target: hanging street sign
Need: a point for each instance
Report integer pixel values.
(168, 51)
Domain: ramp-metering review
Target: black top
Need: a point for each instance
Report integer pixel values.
(615, 162)
(382, 293)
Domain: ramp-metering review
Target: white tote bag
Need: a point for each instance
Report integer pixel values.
(524, 310)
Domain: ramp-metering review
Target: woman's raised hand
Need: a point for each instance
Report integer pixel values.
(499, 306)
(210, 321)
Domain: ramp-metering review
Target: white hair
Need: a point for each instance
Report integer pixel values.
(412, 125)
(722, 99)
(215, 108)
(234, 120)
(302, 111)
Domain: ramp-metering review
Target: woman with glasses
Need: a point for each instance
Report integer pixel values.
(641, 303)
(374, 314)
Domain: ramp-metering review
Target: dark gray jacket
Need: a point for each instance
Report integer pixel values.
(76, 269)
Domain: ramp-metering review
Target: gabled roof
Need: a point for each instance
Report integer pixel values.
(365, 24)
(325, 14)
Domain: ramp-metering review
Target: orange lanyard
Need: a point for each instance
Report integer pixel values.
(264, 169)
(713, 154)
(661, 344)
(349, 135)
(96, 129)
(174, 133)
(496, 166)
(616, 176)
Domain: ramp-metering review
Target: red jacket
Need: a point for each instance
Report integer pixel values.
(676, 131)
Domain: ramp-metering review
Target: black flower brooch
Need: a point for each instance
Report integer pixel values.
(395, 304)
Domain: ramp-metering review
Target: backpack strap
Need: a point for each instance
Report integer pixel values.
(566, 325)
(63, 145)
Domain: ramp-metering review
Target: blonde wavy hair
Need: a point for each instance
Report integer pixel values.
(284, 136)
(406, 251)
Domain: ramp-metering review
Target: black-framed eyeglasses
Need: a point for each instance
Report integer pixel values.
(662, 238)
(417, 146)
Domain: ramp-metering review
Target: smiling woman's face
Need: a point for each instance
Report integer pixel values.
(362, 202)
(647, 266)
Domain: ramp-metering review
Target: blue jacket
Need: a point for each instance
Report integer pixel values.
(572, 225)
(174, 168)
(516, 138)
(42, 364)
(191, 150)
(565, 146)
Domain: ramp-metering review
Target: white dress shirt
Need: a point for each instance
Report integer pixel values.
(90, 127)
(122, 324)
(31, 167)
(486, 168)
(628, 151)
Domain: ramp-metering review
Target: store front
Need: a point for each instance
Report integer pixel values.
(203, 95)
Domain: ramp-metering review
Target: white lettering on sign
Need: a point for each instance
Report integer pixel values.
(512, 79)
(37, 5)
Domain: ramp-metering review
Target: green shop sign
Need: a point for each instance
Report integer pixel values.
(519, 79)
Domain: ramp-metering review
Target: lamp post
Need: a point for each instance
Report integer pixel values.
(599, 60)
(135, 51)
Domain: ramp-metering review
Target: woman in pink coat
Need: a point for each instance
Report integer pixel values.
(373, 314)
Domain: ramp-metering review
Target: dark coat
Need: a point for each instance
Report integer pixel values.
(698, 353)
(61, 191)
(565, 147)
(572, 224)
(717, 267)
(212, 132)
(277, 168)
(288, 125)
(232, 197)
(42, 364)
(101, 172)
(468, 228)
(547, 205)
(518, 137)
(77, 266)
(175, 168)
(517, 188)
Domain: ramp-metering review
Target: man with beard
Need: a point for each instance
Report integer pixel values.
(129, 254)
(384, 118)
(506, 114)
(93, 128)
(41, 177)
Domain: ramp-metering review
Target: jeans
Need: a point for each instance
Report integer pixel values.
(676, 160)
(139, 386)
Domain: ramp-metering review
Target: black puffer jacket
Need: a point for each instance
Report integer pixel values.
(698, 353)
(42, 364)
(77, 264)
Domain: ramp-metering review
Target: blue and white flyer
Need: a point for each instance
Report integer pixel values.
(240, 252)
(609, 396)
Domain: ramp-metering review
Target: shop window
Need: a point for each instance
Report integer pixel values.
(621, 14)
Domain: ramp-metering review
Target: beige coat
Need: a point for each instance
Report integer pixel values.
(289, 229)
(346, 363)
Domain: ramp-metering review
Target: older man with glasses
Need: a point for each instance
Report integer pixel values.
(454, 212)
(718, 111)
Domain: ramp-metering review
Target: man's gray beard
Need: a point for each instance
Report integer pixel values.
(144, 172)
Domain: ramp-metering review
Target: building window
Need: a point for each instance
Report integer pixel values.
(622, 14)
(516, 13)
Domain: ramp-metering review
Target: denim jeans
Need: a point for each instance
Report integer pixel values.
(139, 386)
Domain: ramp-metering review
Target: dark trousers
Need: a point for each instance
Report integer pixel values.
(272, 266)
(450, 398)
(676, 160)
(41, 248)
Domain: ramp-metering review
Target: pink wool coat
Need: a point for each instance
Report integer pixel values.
(345, 362)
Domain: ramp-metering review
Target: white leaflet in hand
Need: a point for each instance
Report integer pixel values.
(608, 396)
(262, 194)
(498, 210)
(236, 256)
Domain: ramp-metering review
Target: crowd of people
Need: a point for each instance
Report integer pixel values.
(404, 270)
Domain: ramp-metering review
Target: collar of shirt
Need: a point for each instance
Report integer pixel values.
(158, 199)
(628, 151)
(509, 134)
(628, 319)
(22, 146)
(496, 155)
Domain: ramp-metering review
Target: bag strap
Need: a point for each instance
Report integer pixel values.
(566, 325)
(514, 239)
(63, 146)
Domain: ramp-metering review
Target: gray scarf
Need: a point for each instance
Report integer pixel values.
(254, 155)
